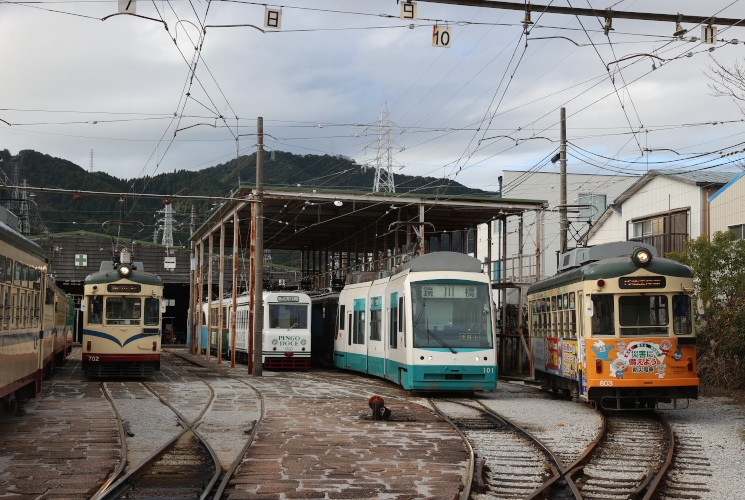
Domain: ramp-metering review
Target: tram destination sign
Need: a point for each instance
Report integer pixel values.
(124, 288)
(288, 298)
(642, 282)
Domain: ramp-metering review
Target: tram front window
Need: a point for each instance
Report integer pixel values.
(123, 310)
(643, 315)
(288, 316)
(451, 315)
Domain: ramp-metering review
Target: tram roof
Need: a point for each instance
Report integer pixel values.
(13, 237)
(296, 218)
(113, 276)
(611, 268)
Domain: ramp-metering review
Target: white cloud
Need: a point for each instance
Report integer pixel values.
(322, 69)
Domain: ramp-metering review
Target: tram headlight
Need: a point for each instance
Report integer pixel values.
(124, 271)
(641, 257)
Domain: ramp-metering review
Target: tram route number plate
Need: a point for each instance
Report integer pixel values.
(468, 336)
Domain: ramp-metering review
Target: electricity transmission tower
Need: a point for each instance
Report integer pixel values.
(383, 161)
(166, 225)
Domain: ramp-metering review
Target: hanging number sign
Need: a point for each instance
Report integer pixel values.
(127, 6)
(273, 18)
(441, 36)
(408, 11)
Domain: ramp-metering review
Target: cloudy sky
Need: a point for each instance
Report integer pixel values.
(181, 86)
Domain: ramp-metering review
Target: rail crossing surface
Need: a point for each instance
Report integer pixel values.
(311, 443)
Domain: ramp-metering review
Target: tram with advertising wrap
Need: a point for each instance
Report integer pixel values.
(123, 308)
(286, 338)
(35, 320)
(429, 327)
(615, 327)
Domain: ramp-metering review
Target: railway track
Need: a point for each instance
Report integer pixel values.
(629, 461)
(205, 440)
(508, 461)
(184, 466)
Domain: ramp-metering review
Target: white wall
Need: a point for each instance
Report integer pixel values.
(728, 206)
(546, 186)
(665, 194)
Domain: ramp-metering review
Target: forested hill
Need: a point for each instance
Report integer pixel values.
(65, 212)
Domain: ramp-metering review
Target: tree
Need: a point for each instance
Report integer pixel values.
(719, 275)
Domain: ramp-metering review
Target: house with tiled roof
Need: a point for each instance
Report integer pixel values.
(664, 208)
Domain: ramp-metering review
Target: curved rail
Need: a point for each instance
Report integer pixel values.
(117, 488)
(651, 479)
(231, 470)
(647, 489)
(466, 491)
(123, 462)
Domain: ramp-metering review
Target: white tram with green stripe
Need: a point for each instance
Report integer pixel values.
(429, 327)
(122, 321)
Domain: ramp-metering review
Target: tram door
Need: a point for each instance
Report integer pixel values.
(376, 342)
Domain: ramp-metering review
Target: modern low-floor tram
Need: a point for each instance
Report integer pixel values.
(429, 327)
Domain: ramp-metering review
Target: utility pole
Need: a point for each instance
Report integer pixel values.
(563, 223)
(258, 255)
(190, 323)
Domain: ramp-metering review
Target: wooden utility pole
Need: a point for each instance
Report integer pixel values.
(258, 256)
(563, 223)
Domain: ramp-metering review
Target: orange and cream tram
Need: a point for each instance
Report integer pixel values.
(615, 327)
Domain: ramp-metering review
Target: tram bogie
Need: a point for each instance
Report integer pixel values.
(616, 329)
(429, 327)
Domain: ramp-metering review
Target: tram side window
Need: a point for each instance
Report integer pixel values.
(8, 270)
(401, 322)
(393, 324)
(342, 315)
(152, 311)
(95, 310)
(18, 273)
(375, 323)
(359, 327)
(36, 299)
(682, 320)
(603, 317)
(6, 306)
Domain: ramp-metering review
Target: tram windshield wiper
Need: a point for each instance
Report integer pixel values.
(440, 340)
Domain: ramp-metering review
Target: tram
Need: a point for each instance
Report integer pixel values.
(430, 326)
(123, 307)
(615, 327)
(35, 320)
(286, 342)
(59, 314)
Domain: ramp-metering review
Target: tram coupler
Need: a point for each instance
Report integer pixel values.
(379, 411)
